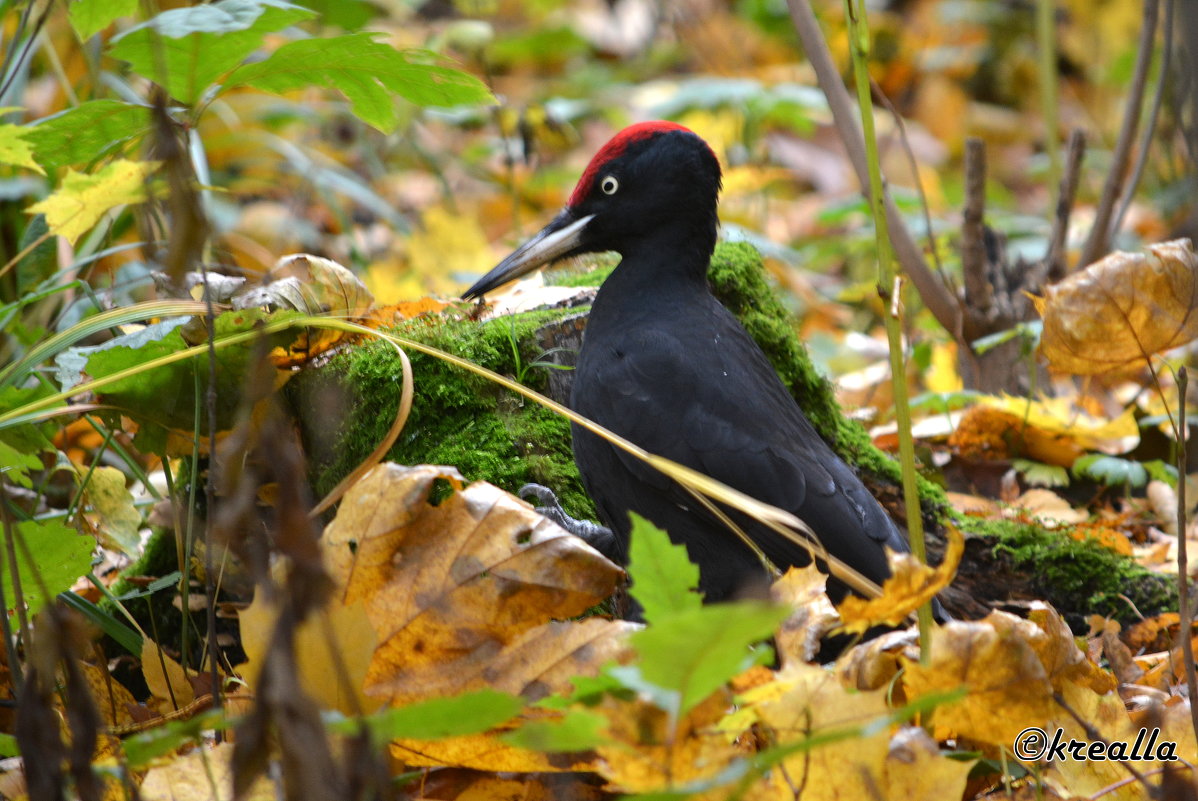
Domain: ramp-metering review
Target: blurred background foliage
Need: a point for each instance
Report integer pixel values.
(428, 205)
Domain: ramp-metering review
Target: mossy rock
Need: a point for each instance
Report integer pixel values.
(1080, 577)
(457, 417)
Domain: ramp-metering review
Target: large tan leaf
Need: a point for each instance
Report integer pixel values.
(473, 592)
(1121, 310)
(1006, 683)
(814, 702)
(452, 588)
(333, 649)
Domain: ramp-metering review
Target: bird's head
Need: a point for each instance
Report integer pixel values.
(650, 179)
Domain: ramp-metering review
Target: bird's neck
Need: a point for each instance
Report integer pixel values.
(651, 281)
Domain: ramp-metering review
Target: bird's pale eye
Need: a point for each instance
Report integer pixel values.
(609, 184)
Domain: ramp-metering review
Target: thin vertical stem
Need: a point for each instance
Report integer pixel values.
(889, 287)
(1183, 576)
(1046, 46)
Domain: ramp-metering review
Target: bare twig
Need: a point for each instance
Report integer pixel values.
(936, 297)
(979, 295)
(1054, 259)
(1150, 124)
(1183, 575)
(1099, 241)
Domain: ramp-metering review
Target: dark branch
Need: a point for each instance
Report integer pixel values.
(935, 295)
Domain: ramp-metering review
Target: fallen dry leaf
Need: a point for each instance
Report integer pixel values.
(651, 755)
(333, 649)
(803, 589)
(809, 701)
(204, 774)
(911, 584)
(1121, 310)
(166, 679)
(915, 769)
(473, 592)
(1005, 682)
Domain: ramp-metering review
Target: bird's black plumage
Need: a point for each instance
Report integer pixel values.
(666, 366)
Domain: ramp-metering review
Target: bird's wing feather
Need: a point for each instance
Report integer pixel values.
(739, 425)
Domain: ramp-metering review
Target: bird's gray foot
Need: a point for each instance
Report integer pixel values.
(597, 536)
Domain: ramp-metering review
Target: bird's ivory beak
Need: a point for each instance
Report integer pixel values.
(555, 240)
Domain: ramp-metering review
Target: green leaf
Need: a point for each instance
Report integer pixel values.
(1110, 470)
(1038, 474)
(664, 581)
(24, 438)
(89, 17)
(39, 263)
(87, 132)
(76, 206)
(8, 746)
(15, 466)
(60, 555)
(16, 149)
(366, 72)
(695, 652)
(438, 718)
(124, 636)
(165, 398)
(577, 730)
(1159, 470)
(186, 50)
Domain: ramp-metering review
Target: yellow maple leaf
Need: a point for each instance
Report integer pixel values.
(910, 585)
(83, 199)
(15, 149)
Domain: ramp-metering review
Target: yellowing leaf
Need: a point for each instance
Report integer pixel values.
(203, 774)
(15, 149)
(115, 520)
(1006, 683)
(942, 375)
(335, 639)
(165, 678)
(1121, 310)
(1062, 416)
(816, 703)
(82, 199)
(911, 584)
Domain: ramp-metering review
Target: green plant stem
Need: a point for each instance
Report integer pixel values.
(1183, 575)
(889, 288)
(1046, 40)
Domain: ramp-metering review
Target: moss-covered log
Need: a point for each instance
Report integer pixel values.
(459, 419)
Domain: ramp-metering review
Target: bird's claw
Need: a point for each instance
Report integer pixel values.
(595, 535)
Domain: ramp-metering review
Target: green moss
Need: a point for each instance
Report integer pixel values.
(457, 418)
(1079, 577)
